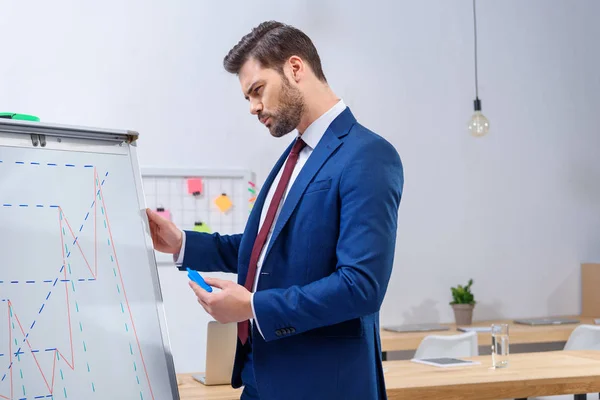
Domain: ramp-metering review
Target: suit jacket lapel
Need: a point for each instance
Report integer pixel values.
(325, 148)
(328, 144)
(254, 219)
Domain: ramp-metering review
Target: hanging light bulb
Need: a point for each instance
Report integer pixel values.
(479, 124)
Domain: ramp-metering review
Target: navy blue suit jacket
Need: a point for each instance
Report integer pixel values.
(326, 270)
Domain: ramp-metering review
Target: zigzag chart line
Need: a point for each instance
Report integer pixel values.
(64, 279)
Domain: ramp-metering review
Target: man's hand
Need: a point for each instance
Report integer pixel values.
(166, 237)
(231, 304)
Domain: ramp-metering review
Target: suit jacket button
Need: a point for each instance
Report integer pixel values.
(293, 330)
(278, 332)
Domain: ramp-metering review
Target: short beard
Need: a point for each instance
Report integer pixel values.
(289, 112)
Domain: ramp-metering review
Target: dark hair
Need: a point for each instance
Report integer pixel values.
(272, 43)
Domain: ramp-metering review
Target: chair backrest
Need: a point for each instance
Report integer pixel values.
(584, 337)
(461, 345)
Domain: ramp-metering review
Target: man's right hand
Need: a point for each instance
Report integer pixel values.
(166, 237)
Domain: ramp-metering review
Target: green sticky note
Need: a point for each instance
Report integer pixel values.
(202, 227)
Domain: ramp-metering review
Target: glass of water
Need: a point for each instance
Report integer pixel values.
(500, 345)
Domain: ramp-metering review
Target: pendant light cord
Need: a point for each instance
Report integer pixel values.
(475, 42)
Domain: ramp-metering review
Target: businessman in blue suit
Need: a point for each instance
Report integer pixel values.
(315, 258)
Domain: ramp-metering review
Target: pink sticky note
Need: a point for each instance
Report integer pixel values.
(164, 213)
(194, 186)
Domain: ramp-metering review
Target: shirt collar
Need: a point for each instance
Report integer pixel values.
(315, 131)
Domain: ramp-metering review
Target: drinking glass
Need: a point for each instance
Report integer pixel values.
(500, 345)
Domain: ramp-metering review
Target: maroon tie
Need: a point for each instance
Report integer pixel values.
(243, 326)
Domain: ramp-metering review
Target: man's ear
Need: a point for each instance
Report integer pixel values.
(297, 68)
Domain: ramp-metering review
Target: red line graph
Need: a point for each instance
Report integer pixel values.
(125, 293)
(69, 359)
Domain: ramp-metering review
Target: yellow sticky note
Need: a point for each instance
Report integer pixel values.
(202, 227)
(223, 202)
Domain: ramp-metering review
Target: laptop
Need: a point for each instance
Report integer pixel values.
(546, 321)
(416, 328)
(220, 354)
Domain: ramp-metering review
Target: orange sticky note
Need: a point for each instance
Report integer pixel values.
(223, 202)
(194, 186)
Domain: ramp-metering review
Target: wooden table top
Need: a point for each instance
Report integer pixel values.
(190, 389)
(519, 334)
(528, 375)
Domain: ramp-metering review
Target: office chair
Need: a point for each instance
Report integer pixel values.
(456, 346)
(584, 337)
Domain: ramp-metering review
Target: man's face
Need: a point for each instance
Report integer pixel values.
(273, 99)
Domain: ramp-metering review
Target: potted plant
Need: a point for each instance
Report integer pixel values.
(463, 303)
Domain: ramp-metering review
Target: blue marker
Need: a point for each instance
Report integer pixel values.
(195, 276)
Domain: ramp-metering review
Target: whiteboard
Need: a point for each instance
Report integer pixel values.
(80, 305)
(166, 188)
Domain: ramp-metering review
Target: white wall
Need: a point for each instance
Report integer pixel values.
(508, 210)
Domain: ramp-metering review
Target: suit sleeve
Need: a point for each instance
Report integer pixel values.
(211, 252)
(370, 191)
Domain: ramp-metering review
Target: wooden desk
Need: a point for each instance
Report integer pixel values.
(189, 389)
(519, 334)
(528, 375)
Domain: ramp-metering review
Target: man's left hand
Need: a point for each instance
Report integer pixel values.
(231, 304)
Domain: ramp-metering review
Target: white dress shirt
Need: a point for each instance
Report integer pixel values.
(311, 137)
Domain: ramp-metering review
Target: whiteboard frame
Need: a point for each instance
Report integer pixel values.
(18, 134)
(178, 172)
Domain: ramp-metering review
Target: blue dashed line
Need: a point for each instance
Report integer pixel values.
(19, 162)
(88, 166)
(51, 165)
(54, 284)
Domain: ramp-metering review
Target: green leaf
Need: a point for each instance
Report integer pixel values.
(462, 294)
